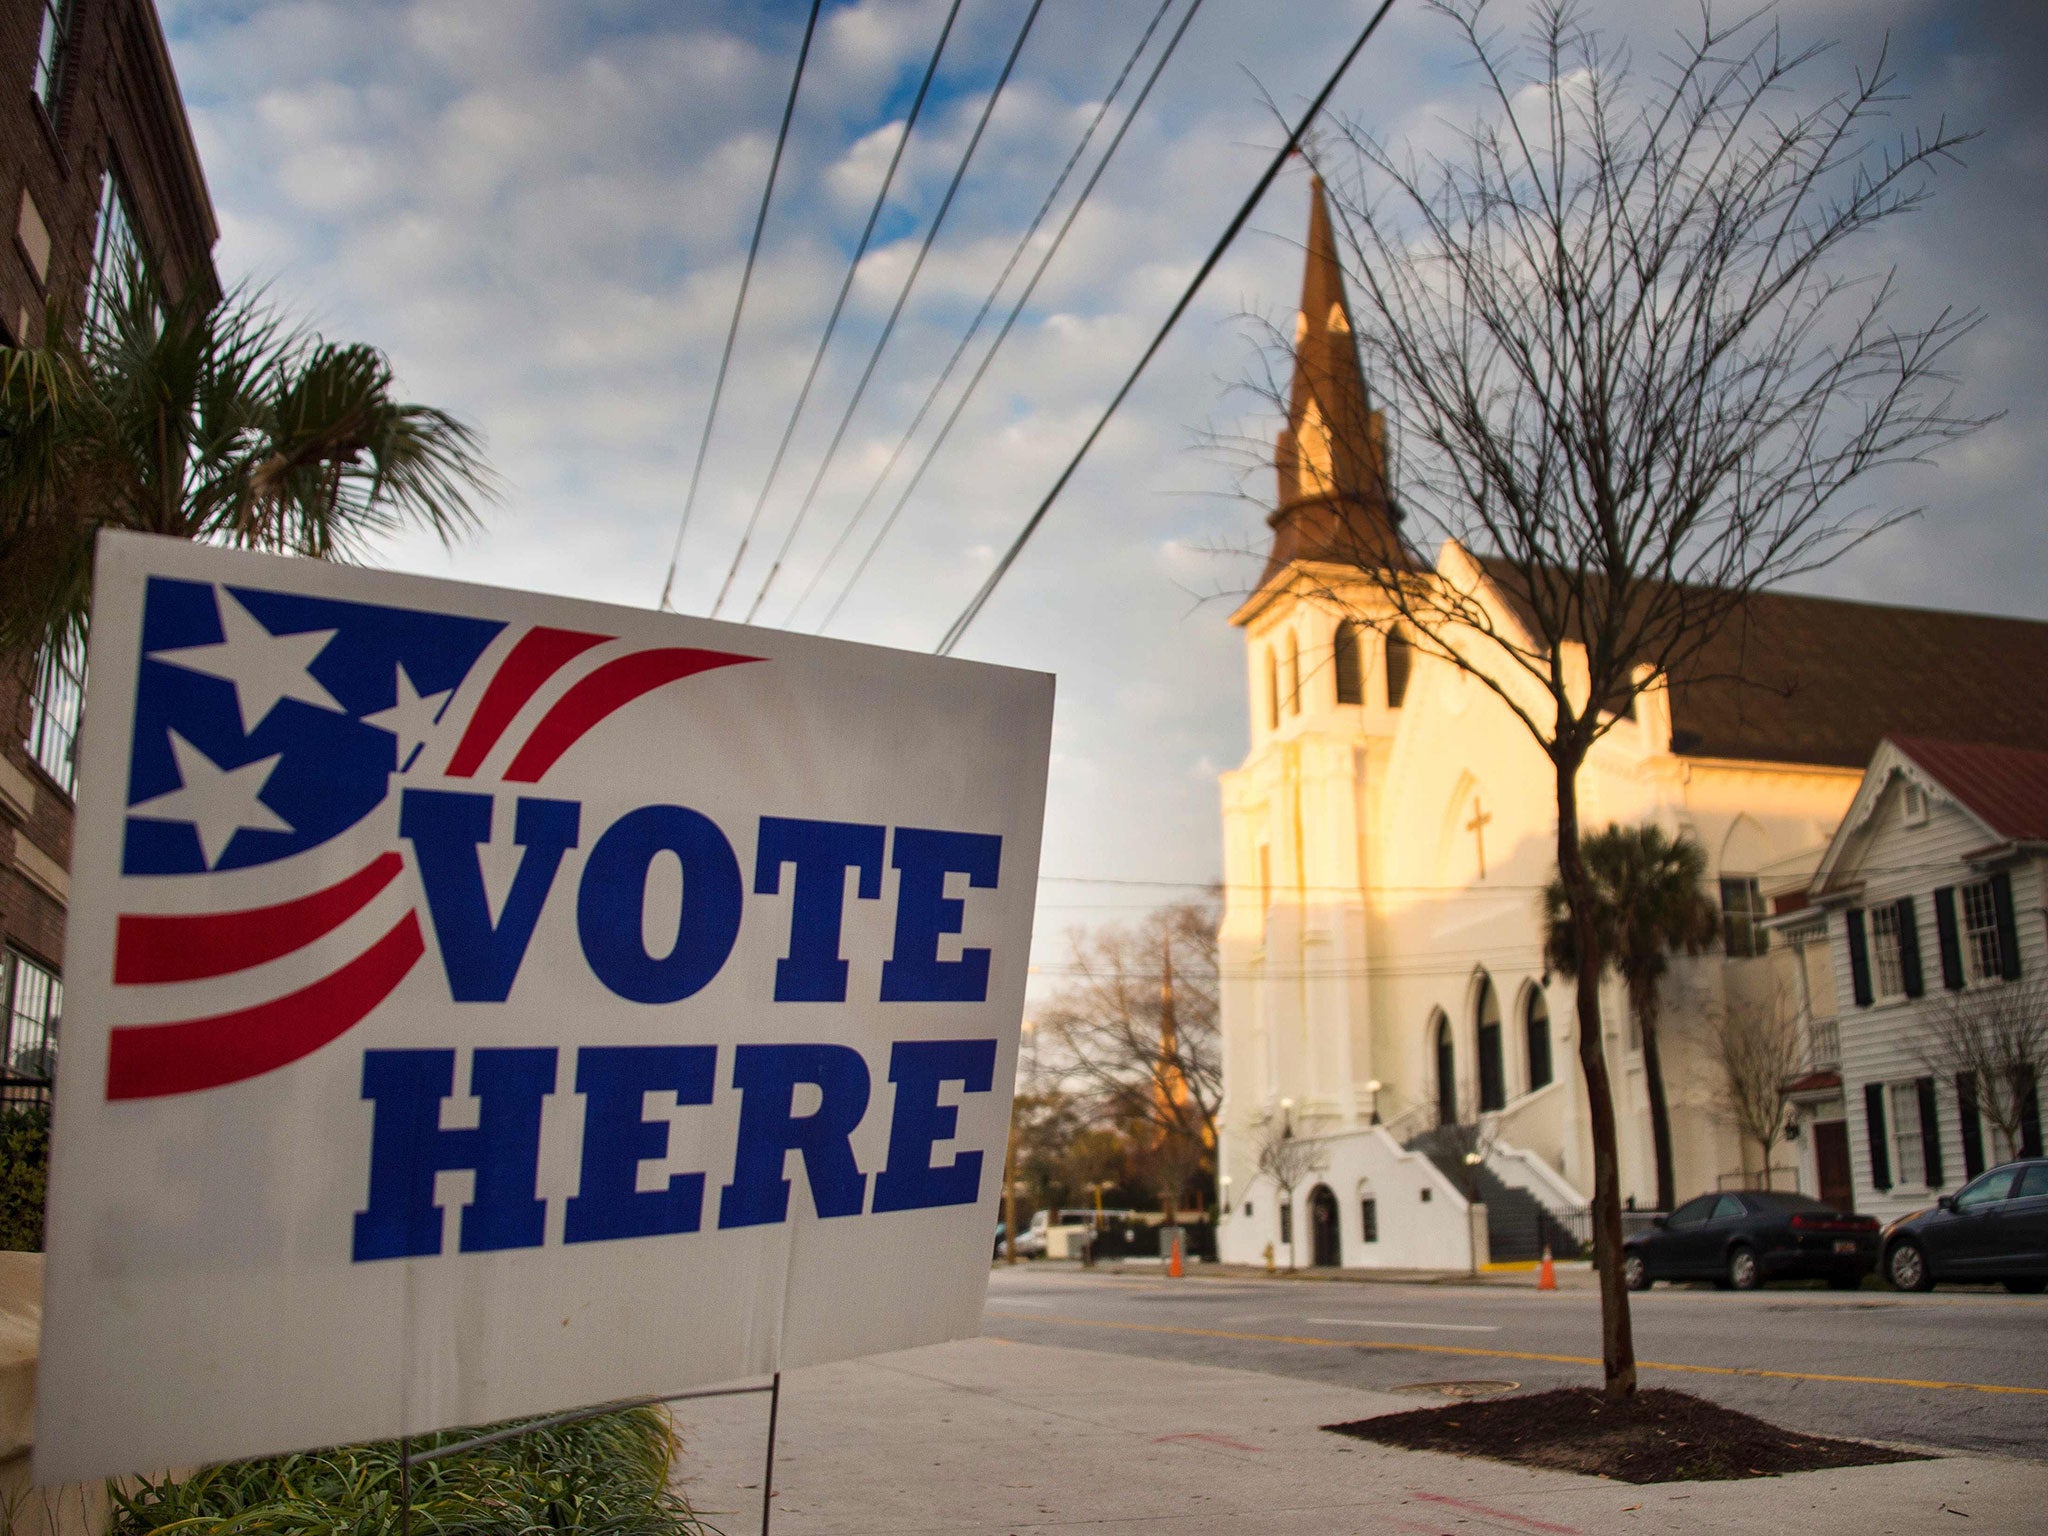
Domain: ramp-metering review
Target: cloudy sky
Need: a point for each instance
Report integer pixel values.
(540, 210)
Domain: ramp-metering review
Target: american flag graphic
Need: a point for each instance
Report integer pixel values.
(268, 725)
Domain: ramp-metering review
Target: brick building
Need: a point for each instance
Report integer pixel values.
(96, 160)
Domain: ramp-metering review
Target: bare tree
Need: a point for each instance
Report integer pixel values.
(1995, 1039)
(1288, 1159)
(1629, 376)
(1138, 1037)
(1758, 1049)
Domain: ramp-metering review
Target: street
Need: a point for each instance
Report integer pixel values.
(1965, 1371)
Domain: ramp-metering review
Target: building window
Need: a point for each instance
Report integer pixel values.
(1493, 1077)
(1400, 660)
(35, 1002)
(52, 53)
(1272, 691)
(54, 710)
(1344, 662)
(115, 249)
(1293, 675)
(1742, 908)
(1536, 1024)
(1287, 1224)
(1887, 966)
(1908, 1143)
(1369, 1219)
(1981, 958)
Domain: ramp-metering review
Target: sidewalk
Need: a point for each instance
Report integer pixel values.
(1572, 1275)
(988, 1436)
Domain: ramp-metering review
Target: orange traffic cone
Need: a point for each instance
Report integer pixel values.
(1546, 1272)
(1173, 1265)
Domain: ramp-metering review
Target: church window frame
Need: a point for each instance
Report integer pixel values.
(1272, 690)
(1443, 1044)
(1539, 1058)
(1400, 667)
(1490, 1032)
(1345, 663)
(1293, 673)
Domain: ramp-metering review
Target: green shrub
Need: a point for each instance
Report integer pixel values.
(24, 1176)
(605, 1476)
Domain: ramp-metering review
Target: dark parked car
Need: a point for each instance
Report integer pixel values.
(1740, 1239)
(1995, 1228)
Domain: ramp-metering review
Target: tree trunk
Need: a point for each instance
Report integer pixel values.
(1617, 1338)
(1660, 1110)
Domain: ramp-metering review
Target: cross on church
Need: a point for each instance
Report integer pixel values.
(1477, 827)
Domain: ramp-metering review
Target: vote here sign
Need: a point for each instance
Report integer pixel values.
(482, 1004)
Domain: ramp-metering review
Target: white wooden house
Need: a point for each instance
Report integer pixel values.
(1931, 891)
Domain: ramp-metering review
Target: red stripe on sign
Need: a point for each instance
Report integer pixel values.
(610, 688)
(147, 1061)
(538, 656)
(150, 949)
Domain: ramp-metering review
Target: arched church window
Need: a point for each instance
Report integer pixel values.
(1493, 1077)
(1344, 662)
(1272, 691)
(1446, 1071)
(1293, 674)
(1536, 1024)
(1400, 660)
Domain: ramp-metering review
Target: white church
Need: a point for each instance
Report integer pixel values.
(1388, 836)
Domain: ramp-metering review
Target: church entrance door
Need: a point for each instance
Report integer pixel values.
(1322, 1220)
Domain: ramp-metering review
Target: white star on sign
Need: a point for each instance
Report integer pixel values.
(217, 801)
(263, 667)
(411, 719)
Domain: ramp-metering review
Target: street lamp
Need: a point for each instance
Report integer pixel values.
(1373, 1088)
(1286, 1118)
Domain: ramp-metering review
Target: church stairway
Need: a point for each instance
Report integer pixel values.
(1517, 1225)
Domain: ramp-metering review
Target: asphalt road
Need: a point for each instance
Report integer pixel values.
(1931, 1365)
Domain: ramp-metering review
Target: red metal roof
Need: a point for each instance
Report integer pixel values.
(2006, 786)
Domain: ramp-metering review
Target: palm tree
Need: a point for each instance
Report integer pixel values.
(219, 423)
(1647, 905)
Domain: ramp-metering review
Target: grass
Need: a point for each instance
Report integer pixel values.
(606, 1476)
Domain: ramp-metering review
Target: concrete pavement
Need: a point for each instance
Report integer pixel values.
(990, 1436)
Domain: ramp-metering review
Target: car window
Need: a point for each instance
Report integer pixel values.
(2033, 1181)
(1727, 1208)
(1693, 1212)
(1993, 1187)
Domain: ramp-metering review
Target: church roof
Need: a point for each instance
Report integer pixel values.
(2006, 787)
(1823, 680)
(1330, 457)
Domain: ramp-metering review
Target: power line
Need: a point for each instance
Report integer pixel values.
(973, 328)
(924, 250)
(839, 304)
(967, 616)
(732, 331)
(1010, 320)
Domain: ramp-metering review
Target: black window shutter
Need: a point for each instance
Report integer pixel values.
(1859, 959)
(1951, 941)
(1972, 1122)
(1873, 1119)
(1930, 1132)
(2008, 930)
(2030, 1122)
(1909, 948)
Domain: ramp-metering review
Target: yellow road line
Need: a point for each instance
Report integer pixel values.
(1404, 1347)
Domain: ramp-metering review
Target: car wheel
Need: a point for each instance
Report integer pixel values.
(1848, 1282)
(1635, 1274)
(2027, 1287)
(1744, 1274)
(1906, 1267)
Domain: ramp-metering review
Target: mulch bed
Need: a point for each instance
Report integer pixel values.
(1658, 1437)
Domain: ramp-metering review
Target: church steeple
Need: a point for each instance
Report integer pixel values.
(1331, 455)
